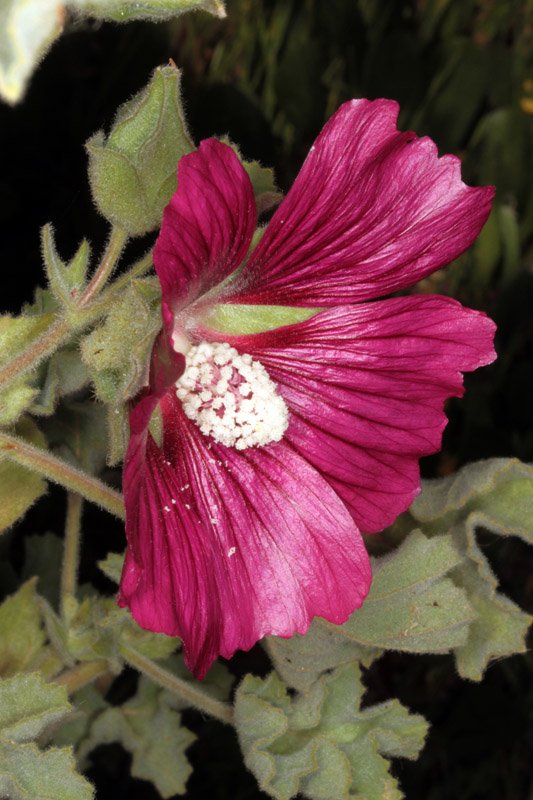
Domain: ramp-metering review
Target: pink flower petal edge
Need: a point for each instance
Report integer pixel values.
(373, 210)
(208, 225)
(366, 385)
(226, 547)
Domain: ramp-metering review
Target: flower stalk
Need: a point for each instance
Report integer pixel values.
(92, 304)
(113, 251)
(71, 552)
(82, 674)
(185, 690)
(58, 333)
(59, 471)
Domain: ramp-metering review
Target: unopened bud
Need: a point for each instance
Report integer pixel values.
(133, 172)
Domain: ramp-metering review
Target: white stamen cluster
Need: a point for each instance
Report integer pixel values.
(231, 397)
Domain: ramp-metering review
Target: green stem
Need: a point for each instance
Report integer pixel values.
(103, 302)
(61, 330)
(113, 251)
(71, 551)
(82, 674)
(48, 343)
(59, 471)
(138, 269)
(185, 690)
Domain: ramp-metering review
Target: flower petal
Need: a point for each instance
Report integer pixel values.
(226, 546)
(373, 210)
(207, 226)
(366, 385)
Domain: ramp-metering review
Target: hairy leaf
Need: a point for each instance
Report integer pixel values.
(76, 432)
(96, 627)
(300, 660)
(19, 487)
(321, 743)
(28, 707)
(26, 773)
(66, 281)
(63, 374)
(412, 605)
(43, 559)
(117, 355)
(152, 733)
(16, 334)
(27, 29)
(22, 637)
(266, 192)
(112, 566)
(496, 495)
(122, 10)
(87, 704)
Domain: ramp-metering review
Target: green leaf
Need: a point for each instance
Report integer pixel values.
(44, 555)
(16, 334)
(87, 704)
(412, 606)
(266, 192)
(118, 624)
(27, 29)
(321, 743)
(63, 374)
(26, 773)
(76, 433)
(94, 629)
(117, 352)
(19, 487)
(117, 356)
(496, 495)
(133, 172)
(125, 10)
(152, 733)
(510, 235)
(301, 660)
(66, 281)
(21, 633)
(218, 682)
(28, 706)
(112, 566)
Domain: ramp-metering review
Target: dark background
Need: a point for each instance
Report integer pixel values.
(270, 75)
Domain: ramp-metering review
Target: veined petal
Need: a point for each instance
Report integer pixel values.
(373, 210)
(207, 226)
(226, 546)
(366, 385)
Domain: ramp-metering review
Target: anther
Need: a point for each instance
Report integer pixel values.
(231, 397)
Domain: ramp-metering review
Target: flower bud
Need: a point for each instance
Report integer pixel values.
(133, 172)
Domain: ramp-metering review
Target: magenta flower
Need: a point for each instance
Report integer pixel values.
(279, 447)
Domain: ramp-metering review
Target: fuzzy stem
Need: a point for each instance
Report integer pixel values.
(113, 251)
(62, 328)
(48, 343)
(82, 674)
(185, 690)
(138, 269)
(102, 303)
(59, 471)
(71, 551)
